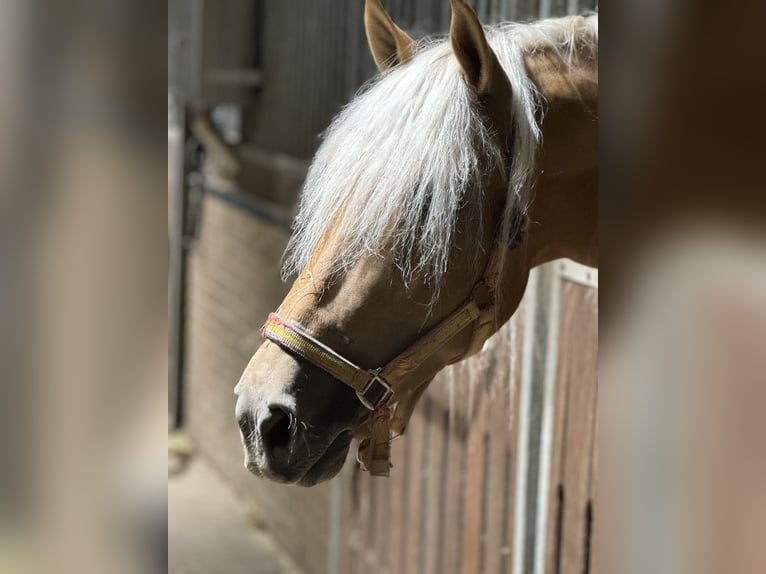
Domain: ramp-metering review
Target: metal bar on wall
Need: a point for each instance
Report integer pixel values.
(523, 455)
(177, 138)
(251, 204)
(548, 411)
(535, 420)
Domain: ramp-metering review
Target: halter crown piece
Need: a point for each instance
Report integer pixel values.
(377, 389)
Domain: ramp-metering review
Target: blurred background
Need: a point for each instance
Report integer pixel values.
(87, 314)
(251, 86)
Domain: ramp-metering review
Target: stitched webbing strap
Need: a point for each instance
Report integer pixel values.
(295, 338)
(413, 357)
(371, 389)
(292, 336)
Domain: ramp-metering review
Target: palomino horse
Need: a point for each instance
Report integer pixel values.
(463, 165)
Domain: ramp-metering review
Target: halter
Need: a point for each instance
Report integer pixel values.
(378, 388)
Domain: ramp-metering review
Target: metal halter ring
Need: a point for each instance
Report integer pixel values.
(380, 394)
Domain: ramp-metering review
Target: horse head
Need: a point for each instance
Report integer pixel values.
(410, 247)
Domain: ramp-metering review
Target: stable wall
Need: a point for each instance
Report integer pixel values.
(233, 283)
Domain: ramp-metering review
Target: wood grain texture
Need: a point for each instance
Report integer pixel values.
(449, 504)
(571, 489)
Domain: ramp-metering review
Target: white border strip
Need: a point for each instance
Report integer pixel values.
(522, 452)
(548, 418)
(577, 272)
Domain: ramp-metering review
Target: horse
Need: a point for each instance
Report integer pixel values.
(466, 162)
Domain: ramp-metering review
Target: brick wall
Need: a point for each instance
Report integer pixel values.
(233, 283)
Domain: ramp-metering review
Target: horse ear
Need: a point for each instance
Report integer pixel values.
(470, 47)
(389, 44)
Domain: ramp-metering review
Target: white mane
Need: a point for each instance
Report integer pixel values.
(397, 163)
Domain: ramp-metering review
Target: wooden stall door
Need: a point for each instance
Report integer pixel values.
(570, 533)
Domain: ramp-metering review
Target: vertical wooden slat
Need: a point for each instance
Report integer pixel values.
(383, 525)
(582, 336)
(451, 551)
(475, 468)
(572, 472)
(370, 548)
(512, 438)
(594, 550)
(435, 491)
(425, 480)
(396, 494)
(415, 436)
(351, 522)
(508, 504)
(362, 529)
(557, 488)
(496, 492)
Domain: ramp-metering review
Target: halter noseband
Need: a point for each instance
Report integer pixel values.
(374, 387)
(377, 388)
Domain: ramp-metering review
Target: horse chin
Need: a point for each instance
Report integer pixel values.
(327, 466)
(330, 463)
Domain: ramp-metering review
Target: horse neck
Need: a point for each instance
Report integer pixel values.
(565, 207)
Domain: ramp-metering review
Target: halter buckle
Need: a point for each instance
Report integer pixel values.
(376, 392)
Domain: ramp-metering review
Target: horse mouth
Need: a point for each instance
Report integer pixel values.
(325, 467)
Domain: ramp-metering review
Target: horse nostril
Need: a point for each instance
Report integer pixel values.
(247, 426)
(275, 428)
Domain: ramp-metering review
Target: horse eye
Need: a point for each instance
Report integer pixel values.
(519, 225)
(517, 239)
